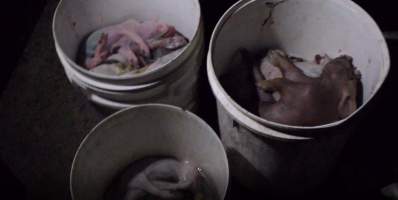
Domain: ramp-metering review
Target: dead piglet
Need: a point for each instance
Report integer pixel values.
(115, 43)
(130, 29)
(265, 71)
(155, 29)
(130, 46)
(307, 101)
(163, 178)
(100, 54)
(164, 46)
(127, 38)
(161, 38)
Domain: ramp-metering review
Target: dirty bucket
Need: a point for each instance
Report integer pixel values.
(178, 88)
(145, 131)
(75, 19)
(291, 160)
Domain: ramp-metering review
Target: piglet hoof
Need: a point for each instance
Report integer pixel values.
(144, 50)
(281, 53)
(265, 85)
(277, 57)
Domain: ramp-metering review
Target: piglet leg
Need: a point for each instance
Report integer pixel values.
(129, 55)
(274, 85)
(278, 111)
(143, 47)
(142, 185)
(290, 71)
(101, 52)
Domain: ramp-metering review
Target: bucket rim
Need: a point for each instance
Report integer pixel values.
(101, 85)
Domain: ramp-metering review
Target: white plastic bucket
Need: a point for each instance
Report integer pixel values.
(291, 159)
(130, 135)
(74, 19)
(178, 88)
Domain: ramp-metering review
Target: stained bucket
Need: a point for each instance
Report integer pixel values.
(140, 132)
(290, 160)
(173, 83)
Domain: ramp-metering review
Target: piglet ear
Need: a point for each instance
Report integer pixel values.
(347, 104)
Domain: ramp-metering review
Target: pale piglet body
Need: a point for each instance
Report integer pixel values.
(133, 40)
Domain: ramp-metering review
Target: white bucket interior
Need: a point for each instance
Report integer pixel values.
(75, 19)
(148, 130)
(303, 28)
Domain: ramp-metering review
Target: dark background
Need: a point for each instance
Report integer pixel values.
(369, 162)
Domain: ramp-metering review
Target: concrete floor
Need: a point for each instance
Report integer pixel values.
(43, 120)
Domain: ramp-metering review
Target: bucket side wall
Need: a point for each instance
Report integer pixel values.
(283, 167)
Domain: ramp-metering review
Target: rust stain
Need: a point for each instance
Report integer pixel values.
(318, 59)
(271, 6)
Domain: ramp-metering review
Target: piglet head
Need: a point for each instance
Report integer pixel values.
(340, 69)
(176, 42)
(155, 29)
(342, 73)
(163, 30)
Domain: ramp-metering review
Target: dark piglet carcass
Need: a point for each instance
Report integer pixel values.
(310, 101)
(292, 91)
